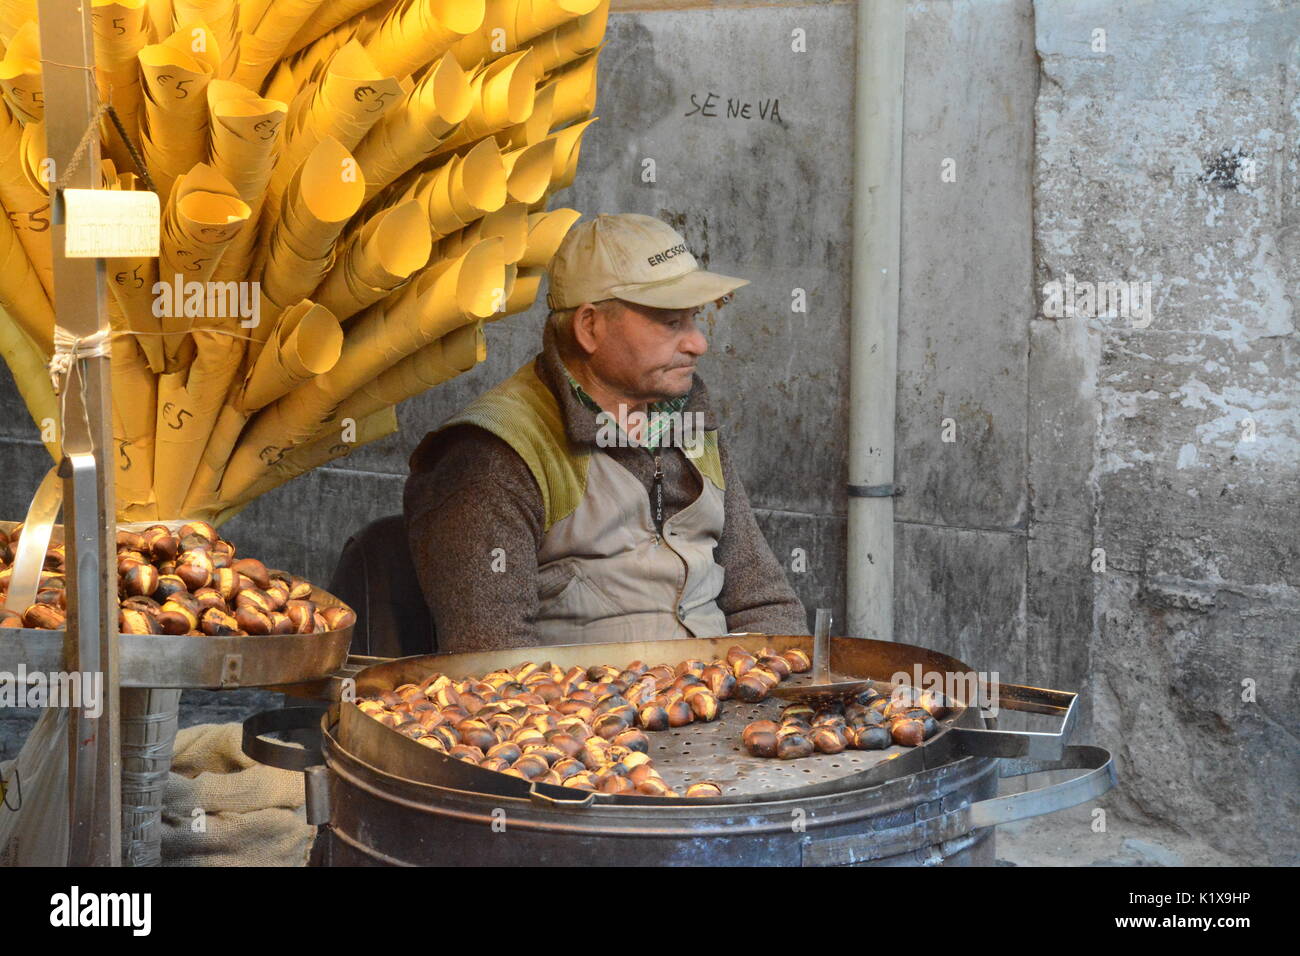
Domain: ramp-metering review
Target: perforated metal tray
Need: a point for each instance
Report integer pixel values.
(699, 751)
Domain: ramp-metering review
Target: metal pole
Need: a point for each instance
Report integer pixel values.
(873, 340)
(90, 528)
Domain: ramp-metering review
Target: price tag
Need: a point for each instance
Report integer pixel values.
(109, 223)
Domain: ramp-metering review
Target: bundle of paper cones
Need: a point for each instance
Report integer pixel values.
(350, 189)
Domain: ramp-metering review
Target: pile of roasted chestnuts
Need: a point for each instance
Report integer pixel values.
(868, 720)
(584, 728)
(184, 582)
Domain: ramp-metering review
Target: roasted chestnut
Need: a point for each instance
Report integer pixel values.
(616, 784)
(566, 768)
(704, 705)
(195, 569)
(691, 666)
(254, 570)
(719, 680)
(213, 622)
(798, 660)
(907, 731)
(44, 616)
(532, 765)
(169, 584)
(750, 689)
(610, 725)
(680, 714)
(131, 621)
(828, 739)
(466, 753)
(653, 717)
(477, 733)
(793, 746)
(761, 743)
(507, 750)
(705, 788)
(140, 579)
(633, 740)
(871, 738)
(253, 619)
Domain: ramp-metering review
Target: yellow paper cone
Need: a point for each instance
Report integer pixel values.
(510, 222)
(175, 75)
(571, 40)
(27, 364)
(303, 459)
(416, 32)
(307, 342)
(135, 403)
(575, 90)
(21, 292)
(521, 21)
(222, 18)
(188, 404)
(20, 74)
(246, 134)
(323, 195)
(405, 135)
(326, 19)
(545, 232)
(536, 127)
(348, 100)
(202, 219)
(503, 92)
(121, 31)
(382, 255)
(524, 292)
(13, 14)
(455, 353)
(28, 207)
(266, 28)
(529, 170)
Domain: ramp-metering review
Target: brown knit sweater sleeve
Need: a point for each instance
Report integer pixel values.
(756, 596)
(475, 519)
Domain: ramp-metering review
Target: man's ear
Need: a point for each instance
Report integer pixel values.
(587, 327)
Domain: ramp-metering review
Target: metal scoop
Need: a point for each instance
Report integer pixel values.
(823, 688)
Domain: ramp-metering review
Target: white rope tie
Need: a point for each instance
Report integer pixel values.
(69, 348)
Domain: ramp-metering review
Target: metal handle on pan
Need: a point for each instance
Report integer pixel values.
(1100, 777)
(1022, 743)
(277, 753)
(308, 758)
(537, 796)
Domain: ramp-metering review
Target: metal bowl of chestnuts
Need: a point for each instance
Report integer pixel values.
(193, 613)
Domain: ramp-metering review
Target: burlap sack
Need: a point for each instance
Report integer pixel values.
(253, 815)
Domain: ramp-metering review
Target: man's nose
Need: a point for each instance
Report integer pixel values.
(695, 343)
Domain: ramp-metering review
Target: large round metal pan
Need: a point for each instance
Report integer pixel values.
(699, 751)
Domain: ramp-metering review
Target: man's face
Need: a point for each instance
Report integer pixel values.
(648, 354)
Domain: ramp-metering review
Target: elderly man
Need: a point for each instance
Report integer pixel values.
(588, 497)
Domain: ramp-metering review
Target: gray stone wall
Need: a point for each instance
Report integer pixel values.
(1166, 156)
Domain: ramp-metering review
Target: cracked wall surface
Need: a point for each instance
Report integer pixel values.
(1166, 153)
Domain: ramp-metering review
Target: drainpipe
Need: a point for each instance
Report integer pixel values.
(873, 336)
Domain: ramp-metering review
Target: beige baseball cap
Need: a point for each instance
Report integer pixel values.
(633, 257)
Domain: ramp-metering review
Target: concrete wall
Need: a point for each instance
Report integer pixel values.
(1027, 155)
